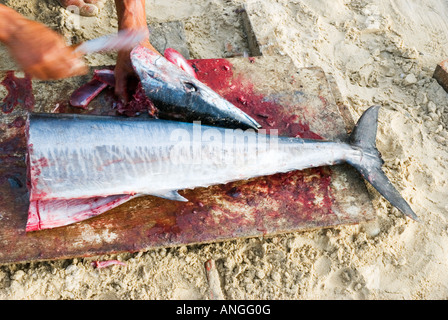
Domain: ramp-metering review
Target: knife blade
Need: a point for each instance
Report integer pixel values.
(123, 40)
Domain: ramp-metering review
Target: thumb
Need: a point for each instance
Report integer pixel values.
(121, 87)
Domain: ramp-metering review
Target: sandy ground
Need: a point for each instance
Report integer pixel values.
(380, 52)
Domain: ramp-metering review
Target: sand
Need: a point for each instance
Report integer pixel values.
(379, 52)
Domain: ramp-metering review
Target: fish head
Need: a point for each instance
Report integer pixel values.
(178, 94)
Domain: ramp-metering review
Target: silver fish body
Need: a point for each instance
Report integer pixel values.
(111, 155)
(83, 157)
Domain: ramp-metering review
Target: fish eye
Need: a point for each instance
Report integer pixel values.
(190, 87)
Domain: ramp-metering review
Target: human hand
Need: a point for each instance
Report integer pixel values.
(41, 52)
(124, 71)
(131, 16)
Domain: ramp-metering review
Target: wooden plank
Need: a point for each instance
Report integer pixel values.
(295, 102)
(441, 74)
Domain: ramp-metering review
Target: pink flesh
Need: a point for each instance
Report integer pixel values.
(175, 57)
(105, 264)
(57, 213)
(106, 76)
(86, 93)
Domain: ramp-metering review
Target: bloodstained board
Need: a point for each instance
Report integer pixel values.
(295, 102)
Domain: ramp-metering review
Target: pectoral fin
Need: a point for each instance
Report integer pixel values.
(170, 195)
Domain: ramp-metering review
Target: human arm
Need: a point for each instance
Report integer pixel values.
(6, 17)
(39, 51)
(131, 16)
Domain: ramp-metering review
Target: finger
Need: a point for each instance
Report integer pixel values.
(121, 87)
(57, 70)
(36, 72)
(78, 68)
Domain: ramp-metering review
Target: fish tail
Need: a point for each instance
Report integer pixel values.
(370, 162)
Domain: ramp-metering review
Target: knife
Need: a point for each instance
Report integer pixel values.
(123, 40)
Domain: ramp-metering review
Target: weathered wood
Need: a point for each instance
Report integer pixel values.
(441, 74)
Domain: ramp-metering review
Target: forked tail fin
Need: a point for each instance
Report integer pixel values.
(369, 164)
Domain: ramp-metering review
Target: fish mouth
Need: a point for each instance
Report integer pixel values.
(176, 92)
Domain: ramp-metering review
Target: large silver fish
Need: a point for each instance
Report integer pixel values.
(80, 165)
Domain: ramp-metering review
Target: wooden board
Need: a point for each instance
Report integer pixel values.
(296, 102)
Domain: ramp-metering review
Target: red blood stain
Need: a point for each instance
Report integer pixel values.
(18, 122)
(20, 93)
(12, 146)
(138, 104)
(218, 74)
(42, 162)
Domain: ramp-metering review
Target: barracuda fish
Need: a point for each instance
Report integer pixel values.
(178, 92)
(81, 165)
